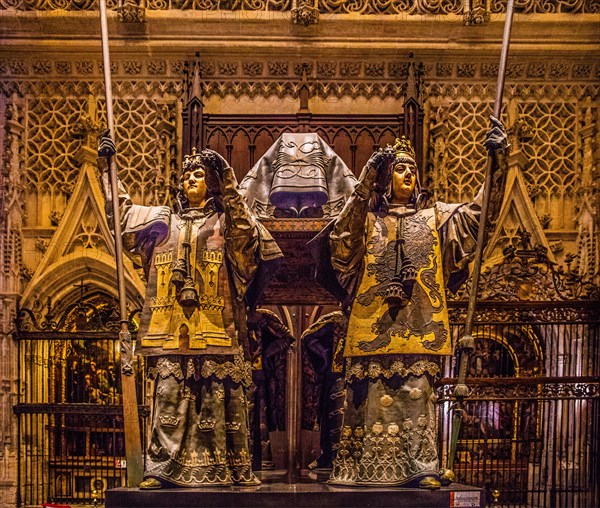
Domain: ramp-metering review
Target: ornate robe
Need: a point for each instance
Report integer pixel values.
(209, 328)
(388, 434)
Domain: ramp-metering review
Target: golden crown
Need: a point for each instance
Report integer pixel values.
(168, 420)
(232, 426)
(206, 424)
(193, 161)
(404, 146)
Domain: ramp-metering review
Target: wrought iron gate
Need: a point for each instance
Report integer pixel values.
(70, 415)
(530, 432)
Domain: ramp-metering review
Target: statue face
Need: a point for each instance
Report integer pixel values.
(194, 186)
(404, 180)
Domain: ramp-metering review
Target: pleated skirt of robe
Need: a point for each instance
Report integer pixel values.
(200, 434)
(389, 428)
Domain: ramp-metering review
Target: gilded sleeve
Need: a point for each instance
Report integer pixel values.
(347, 240)
(241, 234)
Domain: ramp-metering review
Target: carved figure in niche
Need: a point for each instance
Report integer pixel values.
(323, 383)
(299, 176)
(395, 259)
(202, 261)
(269, 341)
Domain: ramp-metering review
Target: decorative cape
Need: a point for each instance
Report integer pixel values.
(299, 174)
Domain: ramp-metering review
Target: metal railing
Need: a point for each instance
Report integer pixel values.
(70, 417)
(529, 434)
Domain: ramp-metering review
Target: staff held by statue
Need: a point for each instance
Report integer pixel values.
(133, 449)
(466, 343)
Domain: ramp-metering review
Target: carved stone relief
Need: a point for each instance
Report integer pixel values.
(369, 70)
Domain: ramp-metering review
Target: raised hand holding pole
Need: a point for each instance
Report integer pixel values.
(466, 344)
(133, 445)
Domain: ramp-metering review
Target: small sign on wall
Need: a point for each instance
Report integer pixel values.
(470, 499)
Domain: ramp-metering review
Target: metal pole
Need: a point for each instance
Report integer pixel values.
(465, 344)
(133, 445)
(293, 400)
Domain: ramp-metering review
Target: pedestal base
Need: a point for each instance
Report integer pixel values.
(274, 493)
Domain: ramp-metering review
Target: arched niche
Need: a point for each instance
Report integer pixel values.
(61, 282)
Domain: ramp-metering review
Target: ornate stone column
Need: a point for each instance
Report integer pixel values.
(587, 218)
(11, 210)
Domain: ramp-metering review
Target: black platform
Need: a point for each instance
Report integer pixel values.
(274, 493)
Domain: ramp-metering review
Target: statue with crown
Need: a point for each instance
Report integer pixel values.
(206, 262)
(394, 258)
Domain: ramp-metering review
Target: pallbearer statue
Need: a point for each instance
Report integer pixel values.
(202, 260)
(323, 383)
(395, 260)
(269, 341)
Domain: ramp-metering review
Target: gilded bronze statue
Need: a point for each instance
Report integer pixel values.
(395, 258)
(323, 383)
(202, 261)
(269, 341)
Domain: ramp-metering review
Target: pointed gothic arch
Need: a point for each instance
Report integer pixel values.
(82, 250)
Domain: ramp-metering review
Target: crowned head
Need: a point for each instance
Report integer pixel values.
(196, 185)
(404, 150)
(405, 186)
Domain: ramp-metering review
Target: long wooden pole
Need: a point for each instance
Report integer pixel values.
(466, 343)
(133, 444)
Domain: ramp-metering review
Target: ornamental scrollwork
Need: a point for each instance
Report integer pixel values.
(515, 389)
(477, 15)
(570, 313)
(413, 7)
(526, 274)
(97, 313)
(548, 7)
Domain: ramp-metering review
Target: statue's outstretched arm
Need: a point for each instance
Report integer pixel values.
(143, 227)
(347, 239)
